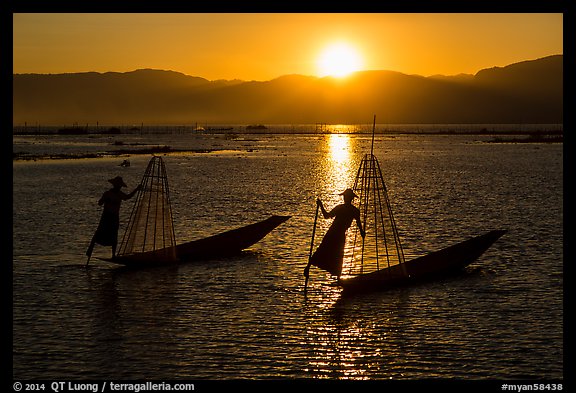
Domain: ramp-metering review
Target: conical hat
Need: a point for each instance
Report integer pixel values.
(118, 182)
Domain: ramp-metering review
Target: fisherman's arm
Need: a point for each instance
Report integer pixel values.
(325, 213)
(128, 196)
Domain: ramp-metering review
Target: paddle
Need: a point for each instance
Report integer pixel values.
(307, 268)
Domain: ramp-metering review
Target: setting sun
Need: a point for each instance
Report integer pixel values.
(339, 60)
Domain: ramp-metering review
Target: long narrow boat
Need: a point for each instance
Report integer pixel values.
(224, 244)
(428, 267)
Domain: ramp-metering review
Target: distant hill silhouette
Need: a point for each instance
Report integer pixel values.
(525, 92)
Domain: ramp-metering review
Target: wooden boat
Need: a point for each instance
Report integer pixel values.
(428, 267)
(224, 244)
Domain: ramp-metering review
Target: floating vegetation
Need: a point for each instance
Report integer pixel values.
(112, 153)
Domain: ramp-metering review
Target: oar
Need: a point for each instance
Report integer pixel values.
(307, 268)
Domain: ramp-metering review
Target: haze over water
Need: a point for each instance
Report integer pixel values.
(246, 317)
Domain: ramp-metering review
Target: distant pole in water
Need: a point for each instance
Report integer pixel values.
(373, 131)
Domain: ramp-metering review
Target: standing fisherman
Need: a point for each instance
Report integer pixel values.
(107, 232)
(330, 253)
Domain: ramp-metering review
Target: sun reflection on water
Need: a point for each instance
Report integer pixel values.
(346, 342)
(339, 164)
(339, 149)
(343, 347)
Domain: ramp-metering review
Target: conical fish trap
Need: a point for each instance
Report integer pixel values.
(381, 247)
(150, 232)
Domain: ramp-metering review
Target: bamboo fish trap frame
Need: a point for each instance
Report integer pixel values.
(381, 247)
(150, 231)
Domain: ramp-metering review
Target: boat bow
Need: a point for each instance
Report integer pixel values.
(436, 264)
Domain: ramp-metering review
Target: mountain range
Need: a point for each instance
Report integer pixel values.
(526, 92)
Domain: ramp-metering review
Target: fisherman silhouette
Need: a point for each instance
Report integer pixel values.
(330, 253)
(107, 232)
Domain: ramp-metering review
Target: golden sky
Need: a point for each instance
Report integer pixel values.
(263, 46)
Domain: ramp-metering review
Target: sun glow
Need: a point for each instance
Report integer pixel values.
(339, 60)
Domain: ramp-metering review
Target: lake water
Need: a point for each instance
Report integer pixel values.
(246, 317)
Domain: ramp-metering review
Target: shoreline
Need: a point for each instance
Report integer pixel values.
(298, 129)
(530, 139)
